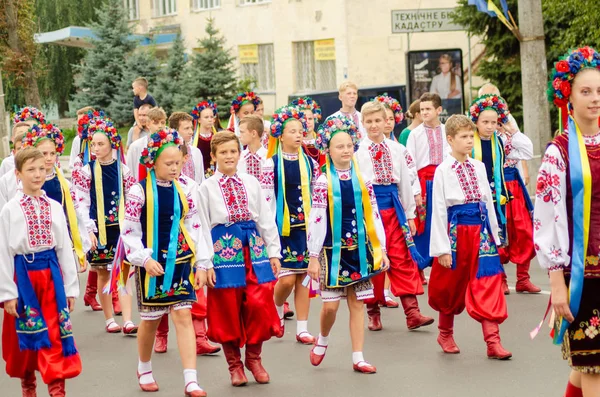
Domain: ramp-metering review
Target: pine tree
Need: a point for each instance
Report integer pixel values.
(169, 85)
(103, 66)
(212, 73)
(140, 63)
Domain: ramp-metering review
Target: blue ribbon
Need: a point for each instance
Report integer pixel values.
(173, 240)
(360, 224)
(151, 291)
(512, 174)
(336, 225)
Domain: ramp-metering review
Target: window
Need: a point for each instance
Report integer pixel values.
(250, 2)
(258, 63)
(163, 8)
(315, 65)
(133, 9)
(199, 5)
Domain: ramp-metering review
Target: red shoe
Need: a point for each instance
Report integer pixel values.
(116, 304)
(254, 363)
(281, 330)
(287, 313)
(528, 287)
(91, 288)
(316, 359)
(374, 313)
(366, 368)
(111, 329)
(446, 336)
(491, 334)
(203, 346)
(130, 328)
(150, 387)
(236, 368)
(195, 393)
(57, 388)
(29, 385)
(414, 318)
(305, 338)
(160, 344)
(390, 303)
(92, 302)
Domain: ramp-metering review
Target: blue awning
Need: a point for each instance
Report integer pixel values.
(77, 36)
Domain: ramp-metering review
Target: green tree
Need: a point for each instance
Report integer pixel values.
(212, 73)
(140, 63)
(103, 67)
(169, 85)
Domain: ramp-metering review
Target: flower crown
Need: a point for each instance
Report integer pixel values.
(489, 102)
(155, 142)
(565, 70)
(308, 103)
(333, 125)
(242, 98)
(195, 113)
(29, 112)
(393, 104)
(106, 127)
(84, 121)
(282, 116)
(45, 131)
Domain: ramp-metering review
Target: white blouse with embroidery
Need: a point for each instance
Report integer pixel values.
(317, 229)
(239, 198)
(550, 223)
(131, 229)
(29, 225)
(385, 164)
(457, 183)
(194, 167)
(253, 163)
(428, 146)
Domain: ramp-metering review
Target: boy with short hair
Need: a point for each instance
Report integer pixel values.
(348, 95)
(254, 157)
(139, 130)
(141, 96)
(193, 166)
(428, 146)
(157, 119)
(8, 164)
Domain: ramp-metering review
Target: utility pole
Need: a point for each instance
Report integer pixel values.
(534, 80)
(3, 130)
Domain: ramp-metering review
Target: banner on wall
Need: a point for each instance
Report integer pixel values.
(248, 53)
(325, 50)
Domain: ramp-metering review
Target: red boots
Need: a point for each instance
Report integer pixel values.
(203, 346)
(234, 360)
(491, 335)
(523, 282)
(572, 391)
(29, 385)
(162, 335)
(446, 336)
(374, 313)
(254, 363)
(57, 388)
(91, 288)
(414, 318)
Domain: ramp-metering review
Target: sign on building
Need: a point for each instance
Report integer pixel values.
(424, 20)
(325, 50)
(248, 53)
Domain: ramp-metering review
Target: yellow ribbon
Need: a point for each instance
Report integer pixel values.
(71, 216)
(478, 155)
(305, 179)
(587, 190)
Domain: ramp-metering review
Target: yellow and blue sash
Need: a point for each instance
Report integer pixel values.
(283, 212)
(497, 169)
(72, 217)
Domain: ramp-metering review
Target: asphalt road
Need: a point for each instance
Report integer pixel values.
(408, 363)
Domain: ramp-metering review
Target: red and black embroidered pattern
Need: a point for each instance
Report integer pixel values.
(253, 164)
(38, 217)
(436, 146)
(383, 168)
(235, 198)
(467, 178)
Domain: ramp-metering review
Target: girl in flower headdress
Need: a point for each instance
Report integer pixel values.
(346, 239)
(566, 217)
(245, 103)
(30, 115)
(165, 240)
(288, 189)
(393, 114)
(80, 154)
(488, 112)
(204, 114)
(312, 113)
(101, 186)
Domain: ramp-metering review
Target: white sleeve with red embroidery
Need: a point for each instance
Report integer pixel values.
(8, 288)
(195, 227)
(267, 183)
(64, 251)
(317, 221)
(376, 217)
(265, 222)
(316, 171)
(131, 232)
(405, 189)
(518, 147)
(550, 224)
(440, 242)
(82, 181)
(486, 195)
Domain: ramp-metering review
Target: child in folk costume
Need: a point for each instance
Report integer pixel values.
(8, 164)
(254, 157)
(157, 119)
(566, 217)
(312, 113)
(193, 167)
(204, 115)
(246, 262)
(9, 182)
(466, 270)
(260, 112)
(346, 239)
(164, 239)
(488, 112)
(348, 96)
(428, 146)
(393, 114)
(101, 186)
(289, 191)
(244, 104)
(382, 161)
(38, 284)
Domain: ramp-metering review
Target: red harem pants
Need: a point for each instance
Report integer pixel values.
(519, 227)
(451, 290)
(403, 272)
(425, 174)
(243, 315)
(50, 361)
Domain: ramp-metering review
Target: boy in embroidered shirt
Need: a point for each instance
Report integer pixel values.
(348, 95)
(382, 161)
(254, 157)
(246, 262)
(157, 119)
(8, 164)
(38, 286)
(194, 165)
(428, 147)
(466, 271)
(260, 112)
(288, 188)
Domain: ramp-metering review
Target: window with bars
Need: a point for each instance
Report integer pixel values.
(250, 2)
(261, 71)
(200, 5)
(315, 70)
(133, 9)
(163, 8)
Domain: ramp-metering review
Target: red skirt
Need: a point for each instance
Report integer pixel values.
(519, 227)
(243, 315)
(451, 290)
(49, 361)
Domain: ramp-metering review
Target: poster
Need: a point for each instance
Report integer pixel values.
(438, 71)
(248, 53)
(325, 50)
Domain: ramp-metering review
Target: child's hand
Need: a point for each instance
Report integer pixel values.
(94, 241)
(385, 261)
(201, 278)
(445, 260)
(412, 227)
(153, 268)
(71, 304)
(275, 266)
(11, 307)
(211, 277)
(418, 200)
(313, 268)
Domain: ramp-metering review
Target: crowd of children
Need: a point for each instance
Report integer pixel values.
(340, 208)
